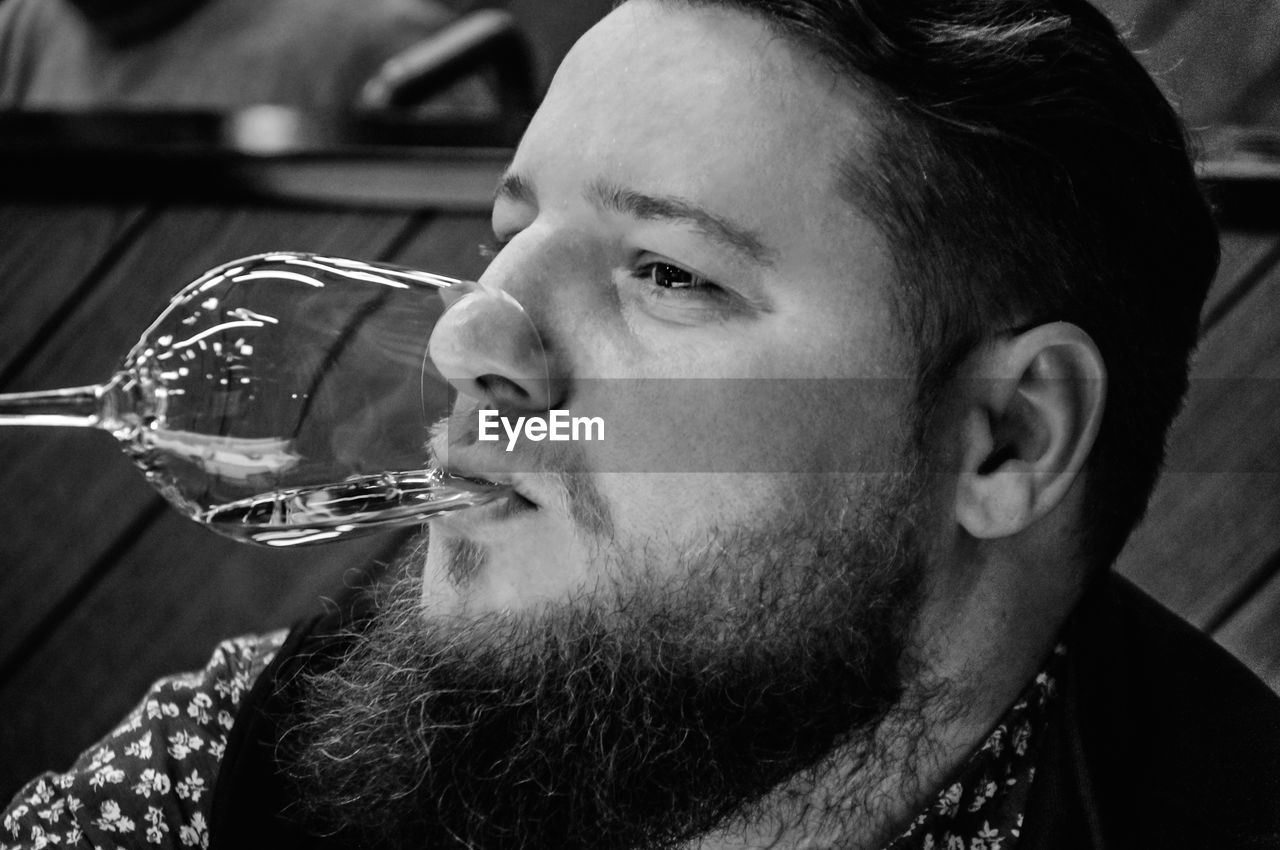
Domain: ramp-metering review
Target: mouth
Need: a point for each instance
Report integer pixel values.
(462, 465)
(508, 506)
(507, 500)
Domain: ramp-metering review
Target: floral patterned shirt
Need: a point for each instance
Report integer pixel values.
(150, 782)
(982, 807)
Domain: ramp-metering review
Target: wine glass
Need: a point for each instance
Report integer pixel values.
(286, 399)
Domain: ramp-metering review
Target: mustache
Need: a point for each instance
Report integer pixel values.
(461, 429)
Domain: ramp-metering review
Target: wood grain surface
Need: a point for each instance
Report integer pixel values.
(111, 588)
(1215, 516)
(106, 588)
(1253, 633)
(90, 494)
(52, 254)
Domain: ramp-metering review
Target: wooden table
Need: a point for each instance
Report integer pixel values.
(105, 588)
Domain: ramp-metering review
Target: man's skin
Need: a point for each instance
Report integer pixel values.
(708, 107)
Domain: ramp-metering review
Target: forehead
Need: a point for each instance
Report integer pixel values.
(704, 100)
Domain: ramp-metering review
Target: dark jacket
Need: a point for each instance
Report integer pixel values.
(1162, 740)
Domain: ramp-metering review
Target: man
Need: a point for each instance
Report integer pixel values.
(886, 310)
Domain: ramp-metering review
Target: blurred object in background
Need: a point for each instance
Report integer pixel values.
(552, 27)
(216, 54)
(489, 40)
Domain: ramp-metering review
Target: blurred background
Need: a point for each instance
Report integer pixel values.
(221, 54)
(145, 141)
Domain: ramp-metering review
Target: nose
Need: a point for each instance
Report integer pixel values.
(488, 348)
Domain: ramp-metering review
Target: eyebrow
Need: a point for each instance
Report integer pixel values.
(610, 196)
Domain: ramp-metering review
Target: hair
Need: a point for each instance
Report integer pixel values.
(1028, 170)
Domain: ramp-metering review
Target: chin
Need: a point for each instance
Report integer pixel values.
(502, 566)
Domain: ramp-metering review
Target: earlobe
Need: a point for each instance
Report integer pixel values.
(992, 500)
(1031, 411)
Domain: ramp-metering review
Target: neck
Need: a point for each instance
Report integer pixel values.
(861, 795)
(987, 648)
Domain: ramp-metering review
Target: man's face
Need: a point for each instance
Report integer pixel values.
(713, 599)
(675, 226)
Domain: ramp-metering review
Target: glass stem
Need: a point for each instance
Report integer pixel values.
(74, 406)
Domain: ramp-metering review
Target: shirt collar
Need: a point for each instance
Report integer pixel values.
(982, 806)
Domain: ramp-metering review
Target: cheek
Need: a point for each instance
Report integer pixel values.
(747, 425)
(736, 457)
(664, 516)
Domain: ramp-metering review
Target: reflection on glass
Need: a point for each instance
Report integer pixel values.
(284, 399)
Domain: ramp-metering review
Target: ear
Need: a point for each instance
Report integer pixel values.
(1030, 412)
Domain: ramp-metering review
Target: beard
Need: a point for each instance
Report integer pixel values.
(641, 716)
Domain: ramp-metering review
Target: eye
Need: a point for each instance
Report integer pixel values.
(667, 276)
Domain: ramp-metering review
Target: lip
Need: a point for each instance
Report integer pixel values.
(486, 480)
(501, 509)
(471, 463)
(508, 505)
